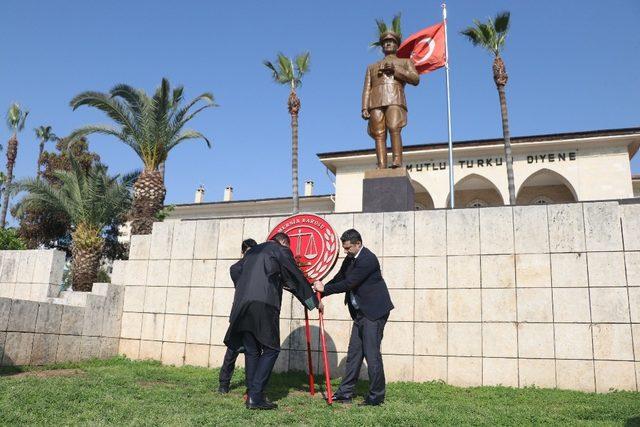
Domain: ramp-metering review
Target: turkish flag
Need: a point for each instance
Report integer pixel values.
(425, 48)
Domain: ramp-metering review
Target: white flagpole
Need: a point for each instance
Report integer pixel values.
(446, 66)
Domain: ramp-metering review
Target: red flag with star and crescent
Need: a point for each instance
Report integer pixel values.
(426, 49)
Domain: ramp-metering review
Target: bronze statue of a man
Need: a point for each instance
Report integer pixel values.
(383, 100)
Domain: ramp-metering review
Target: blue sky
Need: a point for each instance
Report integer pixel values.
(573, 65)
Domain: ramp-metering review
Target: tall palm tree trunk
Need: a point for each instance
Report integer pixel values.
(148, 198)
(294, 108)
(86, 252)
(41, 150)
(500, 77)
(12, 153)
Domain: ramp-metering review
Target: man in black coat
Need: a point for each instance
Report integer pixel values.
(229, 362)
(369, 303)
(254, 325)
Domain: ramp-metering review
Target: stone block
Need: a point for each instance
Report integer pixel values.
(634, 305)
(93, 322)
(612, 342)
(429, 368)
(152, 326)
(72, 321)
(463, 232)
(430, 339)
(22, 291)
(576, 375)
(571, 305)
(606, 269)
(612, 376)
(203, 273)
(536, 340)
(23, 316)
(201, 301)
(222, 301)
(339, 222)
(632, 262)
(26, 266)
(464, 371)
(609, 305)
(395, 338)
(173, 353)
(198, 329)
(109, 347)
(573, 341)
(602, 226)
(503, 372)
(337, 333)
(463, 271)
(113, 311)
(464, 339)
(44, 291)
(196, 355)
(569, 270)
(464, 305)
(5, 309)
(496, 230)
(9, 267)
(566, 228)
(635, 329)
(175, 328)
(222, 276)
(370, 226)
(130, 349)
(3, 337)
(530, 227)
(430, 305)
(498, 271)
(431, 233)
(499, 340)
(398, 238)
(534, 305)
(282, 363)
(399, 272)
(403, 301)
(68, 348)
(533, 270)
(6, 290)
(258, 229)
(150, 350)
(17, 348)
(537, 372)
(131, 325)
(118, 272)
(140, 247)
(161, 239)
(184, 237)
(155, 299)
(216, 355)
(136, 273)
(134, 298)
(219, 326)
(230, 238)
(158, 273)
(398, 368)
(430, 272)
(89, 348)
(206, 244)
(630, 219)
(180, 272)
(498, 305)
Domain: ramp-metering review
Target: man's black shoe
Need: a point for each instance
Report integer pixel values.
(368, 402)
(341, 399)
(223, 389)
(263, 404)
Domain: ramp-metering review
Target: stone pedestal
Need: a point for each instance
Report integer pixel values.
(387, 190)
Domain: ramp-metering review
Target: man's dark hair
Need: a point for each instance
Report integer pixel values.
(247, 244)
(352, 236)
(282, 238)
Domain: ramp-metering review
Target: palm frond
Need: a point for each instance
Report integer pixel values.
(302, 63)
(501, 22)
(395, 25)
(188, 134)
(490, 35)
(16, 117)
(109, 105)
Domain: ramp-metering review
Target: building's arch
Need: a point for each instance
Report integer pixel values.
(545, 186)
(423, 199)
(474, 191)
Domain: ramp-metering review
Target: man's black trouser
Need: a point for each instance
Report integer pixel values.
(228, 365)
(258, 361)
(365, 341)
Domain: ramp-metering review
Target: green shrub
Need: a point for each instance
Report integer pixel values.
(9, 240)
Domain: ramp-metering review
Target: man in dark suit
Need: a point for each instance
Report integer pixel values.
(229, 363)
(367, 297)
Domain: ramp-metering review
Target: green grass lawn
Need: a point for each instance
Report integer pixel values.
(119, 391)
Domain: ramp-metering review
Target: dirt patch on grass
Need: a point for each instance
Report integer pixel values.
(51, 373)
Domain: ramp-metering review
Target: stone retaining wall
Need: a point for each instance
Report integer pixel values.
(518, 296)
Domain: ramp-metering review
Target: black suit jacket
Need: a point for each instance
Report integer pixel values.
(362, 276)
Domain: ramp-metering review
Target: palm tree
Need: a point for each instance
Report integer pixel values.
(152, 126)
(287, 72)
(44, 134)
(90, 200)
(491, 36)
(16, 118)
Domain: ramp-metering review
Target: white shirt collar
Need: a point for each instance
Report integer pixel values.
(356, 255)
